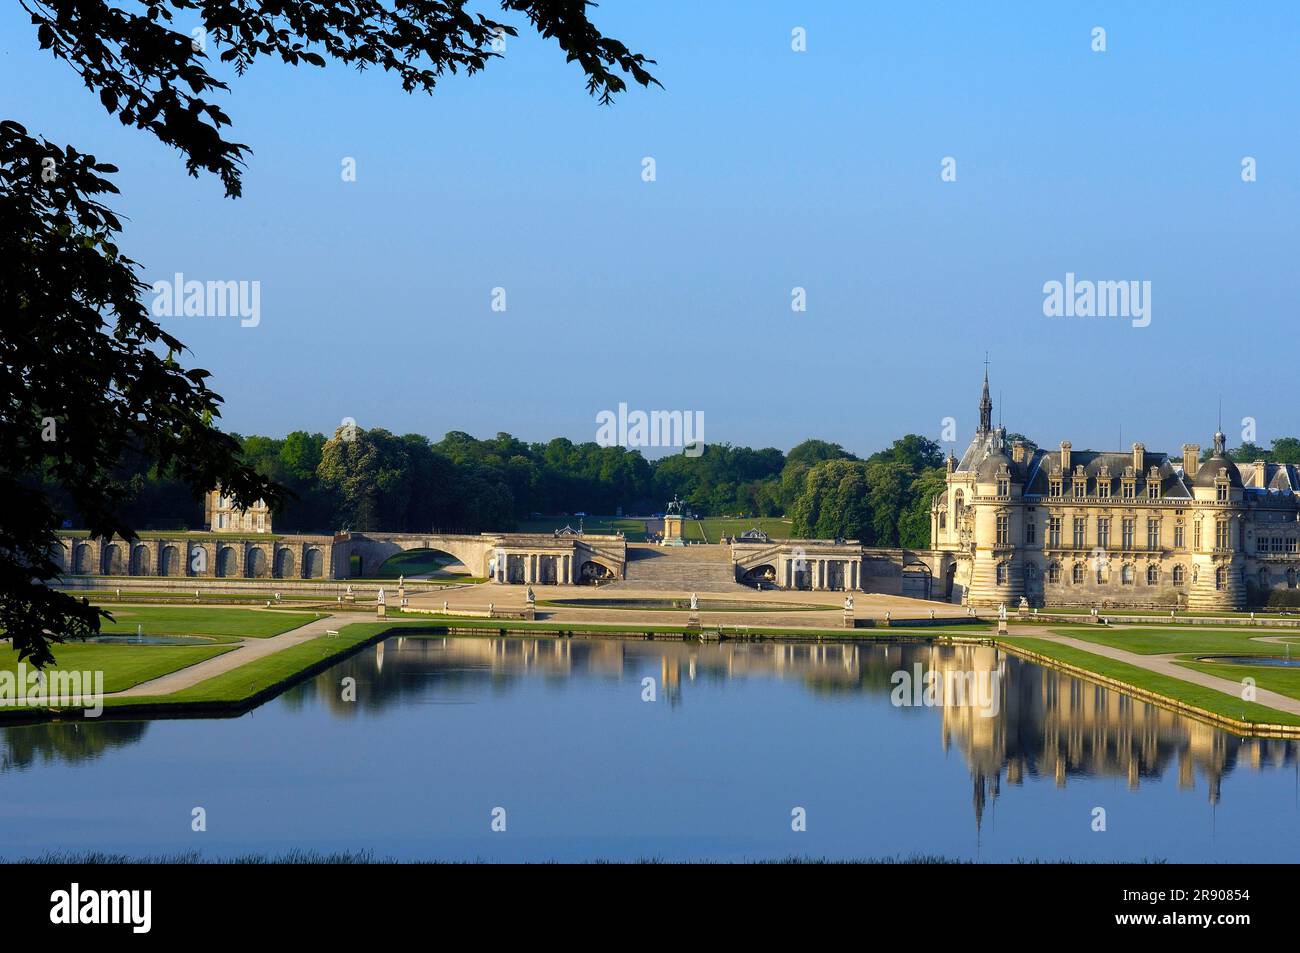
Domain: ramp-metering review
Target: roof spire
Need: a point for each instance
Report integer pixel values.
(986, 402)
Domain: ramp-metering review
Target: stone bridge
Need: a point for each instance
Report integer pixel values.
(519, 558)
(843, 564)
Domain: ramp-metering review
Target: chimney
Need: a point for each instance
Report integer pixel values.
(1065, 456)
(1139, 458)
(1261, 478)
(1191, 459)
(1019, 452)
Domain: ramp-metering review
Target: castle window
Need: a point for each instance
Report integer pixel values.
(1126, 575)
(1054, 573)
(1180, 536)
(1002, 574)
(1265, 581)
(943, 519)
(1004, 532)
(1004, 487)
(1178, 575)
(1221, 490)
(1031, 532)
(1103, 489)
(1221, 538)
(1220, 578)
(1129, 490)
(1103, 531)
(1080, 485)
(1290, 578)
(1153, 534)
(1053, 531)
(1292, 544)
(1055, 487)
(1153, 575)
(1128, 529)
(1153, 489)
(1196, 535)
(1080, 532)
(1076, 574)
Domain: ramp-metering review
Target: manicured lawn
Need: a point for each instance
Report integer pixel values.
(633, 529)
(178, 620)
(1206, 698)
(123, 665)
(1284, 681)
(715, 527)
(1183, 639)
(108, 598)
(267, 672)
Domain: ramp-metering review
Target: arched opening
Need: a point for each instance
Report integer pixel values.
(313, 564)
(114, 561)
(81, 560)
(949, 580)
(593, 573)
(226, 560)
(918, 584)
(171, 561)
(255, 563)
(760, 577)
(284, 564)
(422, 564)
(140, 561)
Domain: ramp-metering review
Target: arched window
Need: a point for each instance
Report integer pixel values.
(1153, 575)
(959, 502)
(1178, 575)
(1126, 574)
(1076, 574)
(1002, 574)
(1054, 572)
(1220, 578)
(1290, 578)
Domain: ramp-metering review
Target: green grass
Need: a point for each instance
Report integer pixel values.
(176, 620)
(123, 665)
(1284, 681)
(1198, 696)
(716, 527)
(270, 672)
(1180, 640)
(415, 562)
(633, 529)
(108, 598)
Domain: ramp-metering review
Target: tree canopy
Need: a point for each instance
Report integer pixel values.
(98, 409)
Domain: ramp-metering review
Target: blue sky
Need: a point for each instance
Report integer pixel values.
(775, 169)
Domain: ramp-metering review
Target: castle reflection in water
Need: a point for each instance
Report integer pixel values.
(1047, 724)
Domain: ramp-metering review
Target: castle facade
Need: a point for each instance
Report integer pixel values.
(1064, 527)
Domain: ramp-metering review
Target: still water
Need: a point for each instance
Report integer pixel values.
(445, 730)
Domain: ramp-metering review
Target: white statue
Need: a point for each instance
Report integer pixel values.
(1002, 612)
(530, 596)
(695, 601)
(848, 602)
(381, 595)
(401, 582)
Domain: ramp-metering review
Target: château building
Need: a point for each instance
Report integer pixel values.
(1127, 528)
(222, 516)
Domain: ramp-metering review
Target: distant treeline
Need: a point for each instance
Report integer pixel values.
(379, 481)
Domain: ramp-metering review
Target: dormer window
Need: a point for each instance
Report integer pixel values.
(1080, 486)
(1004, 487)
(1130, 489)
(1056, 487)
(1153, 489)
(1103, 489)
(1221, 487)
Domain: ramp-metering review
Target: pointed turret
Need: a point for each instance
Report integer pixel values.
(986, 406)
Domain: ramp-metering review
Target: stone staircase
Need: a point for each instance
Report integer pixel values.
(679, 569)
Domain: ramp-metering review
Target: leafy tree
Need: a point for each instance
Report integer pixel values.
(88, 378)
